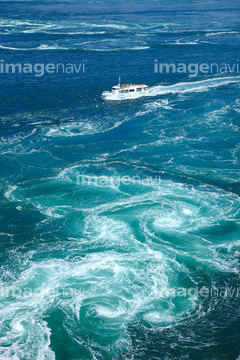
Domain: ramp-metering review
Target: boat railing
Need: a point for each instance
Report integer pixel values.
(122, 86)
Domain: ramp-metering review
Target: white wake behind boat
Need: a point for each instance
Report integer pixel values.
(125, 91)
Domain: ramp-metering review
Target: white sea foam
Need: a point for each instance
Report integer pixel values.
(40, 47)
(138, 48)
(105, 25)
(221, 32)
(8, 194)
(13, 48)
(193, 86)
(82, 128)
(177, 42)
(108, 289)
(112, 45)
(51, 47)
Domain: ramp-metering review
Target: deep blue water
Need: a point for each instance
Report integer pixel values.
(147, 269)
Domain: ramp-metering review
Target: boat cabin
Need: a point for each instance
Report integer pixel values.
(128, 88)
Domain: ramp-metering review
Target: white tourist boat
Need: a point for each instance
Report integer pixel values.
(125, 91)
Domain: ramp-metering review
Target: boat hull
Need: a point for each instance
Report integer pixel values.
(128, 96)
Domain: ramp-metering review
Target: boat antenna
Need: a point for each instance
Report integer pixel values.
(119, 81)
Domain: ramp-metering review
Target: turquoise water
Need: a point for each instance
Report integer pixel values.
(141, 262)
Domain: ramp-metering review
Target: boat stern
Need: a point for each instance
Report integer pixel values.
(106, 95)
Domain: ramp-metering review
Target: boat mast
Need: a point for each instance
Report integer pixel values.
(119, 80)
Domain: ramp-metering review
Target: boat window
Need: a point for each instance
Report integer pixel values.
(139, 89)
(131, 90)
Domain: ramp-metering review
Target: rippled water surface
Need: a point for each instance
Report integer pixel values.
(146, 268)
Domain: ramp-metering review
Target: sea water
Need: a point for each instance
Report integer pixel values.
(119, 221)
